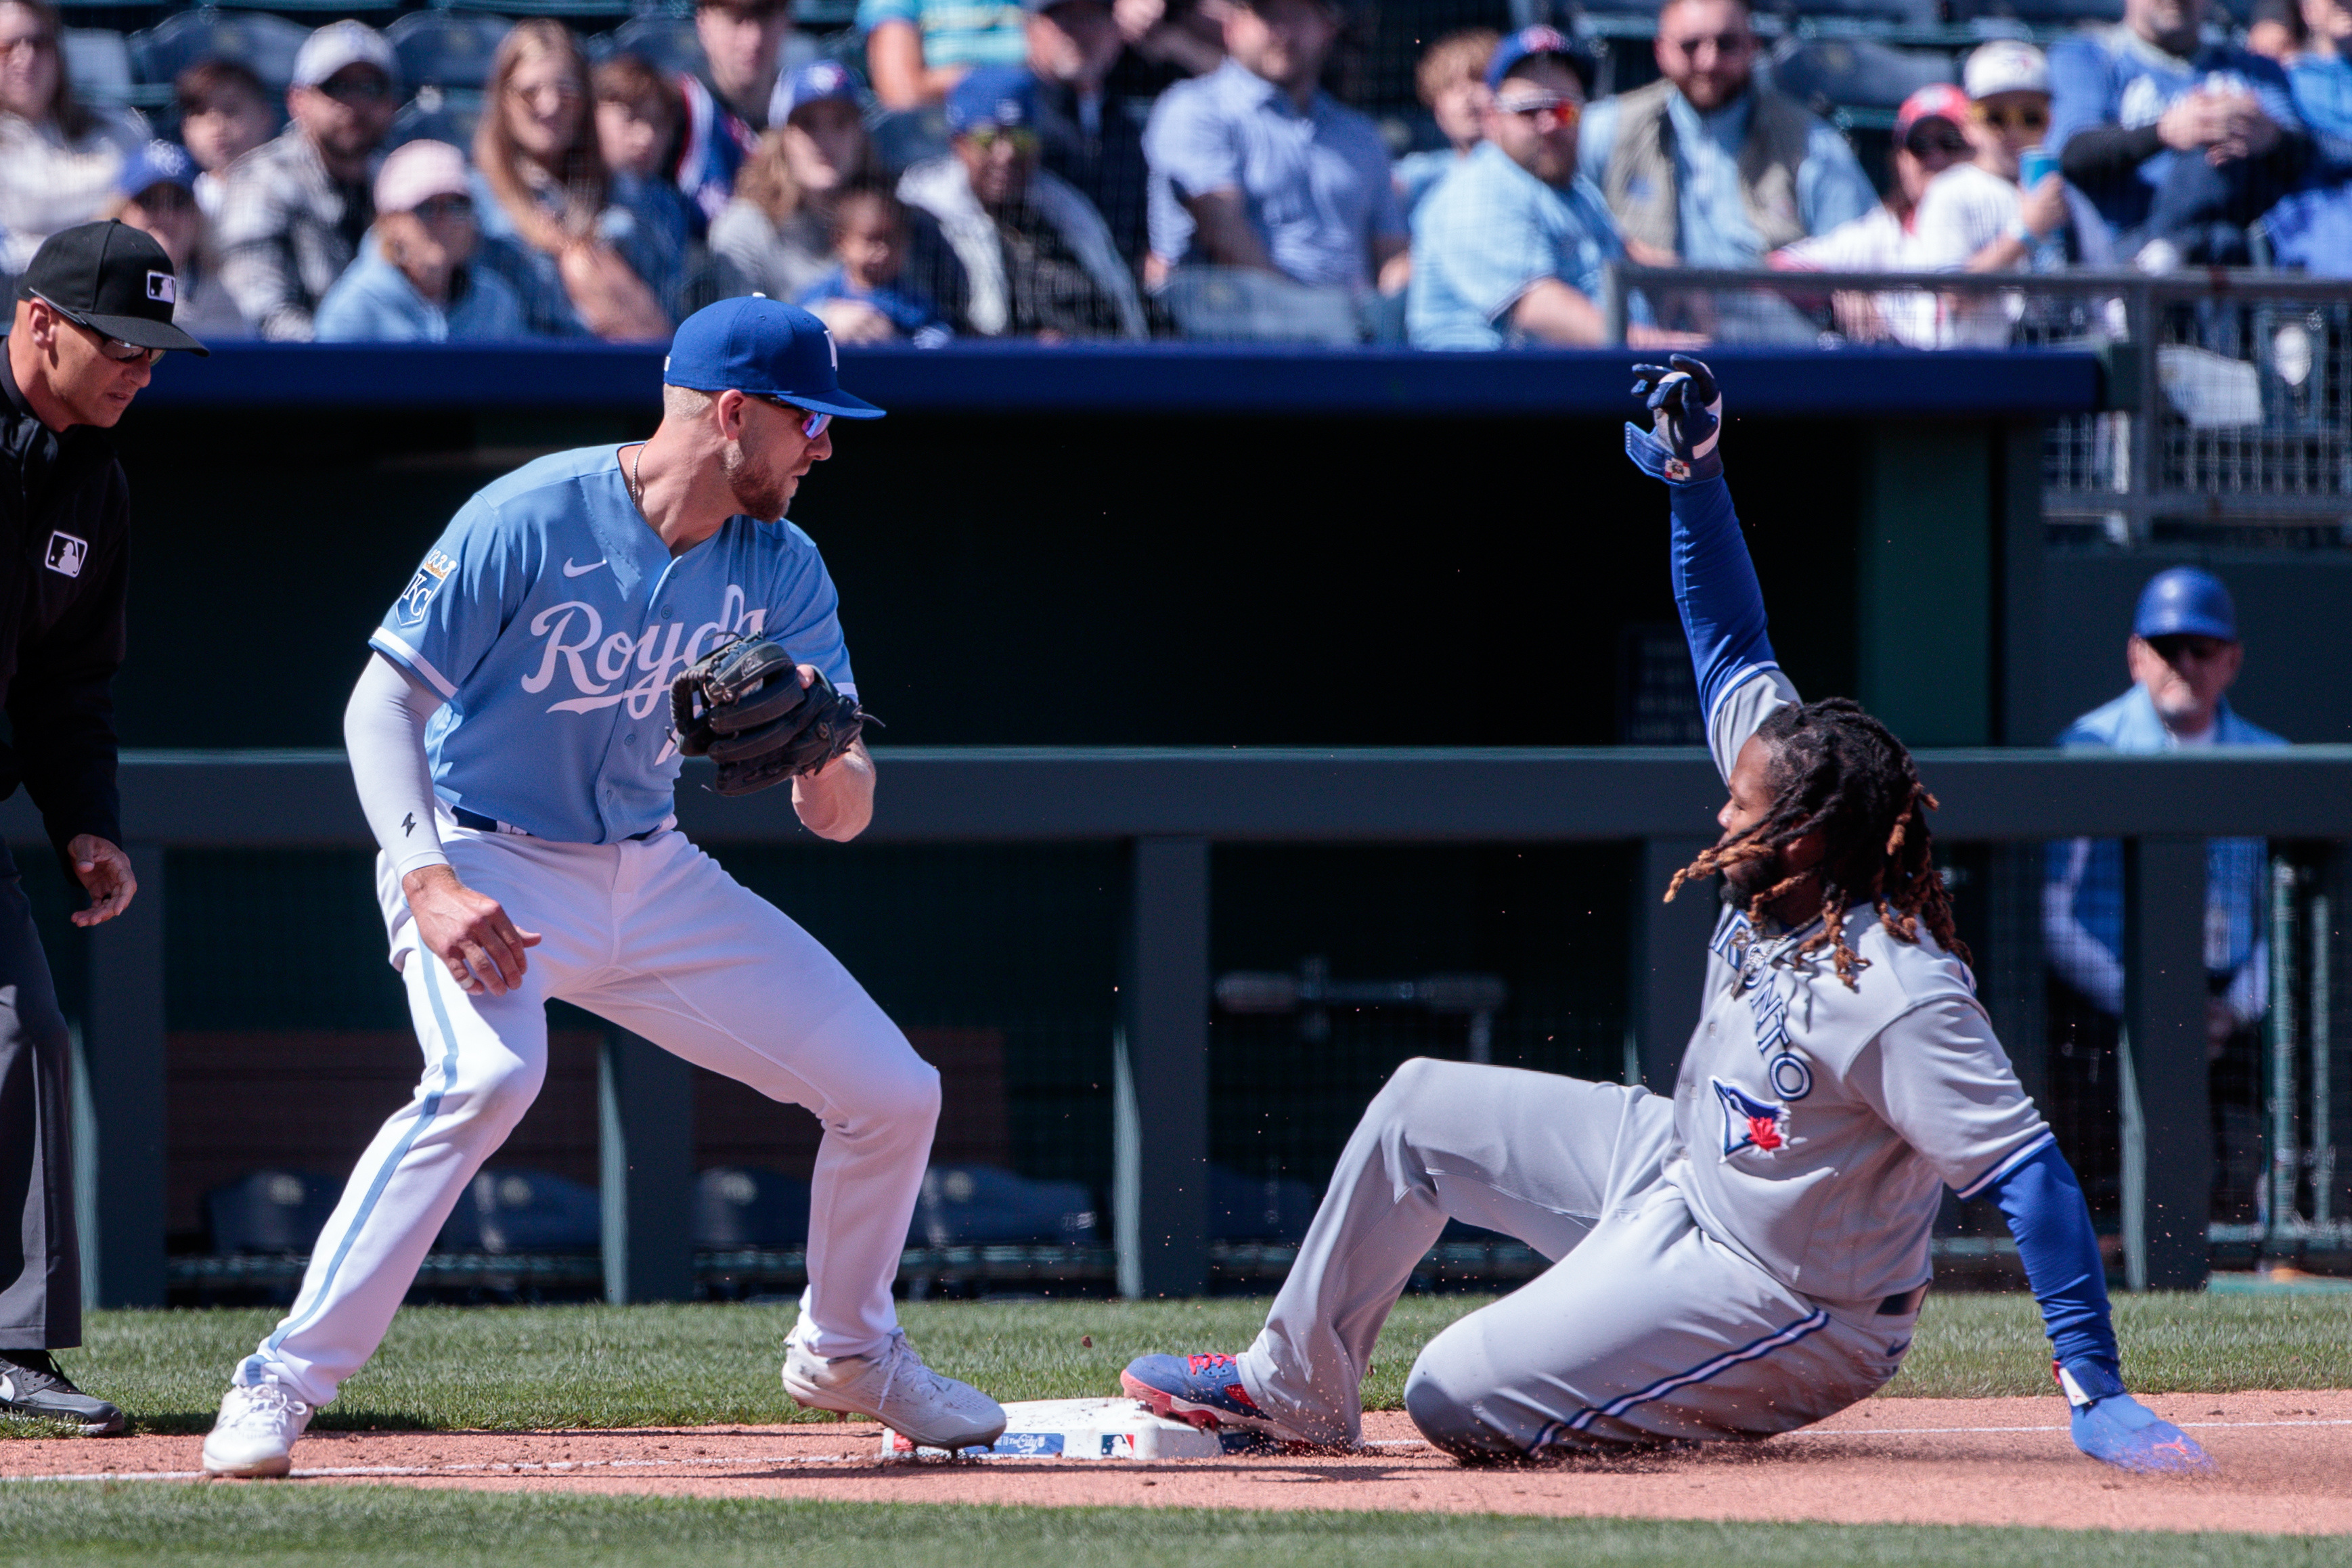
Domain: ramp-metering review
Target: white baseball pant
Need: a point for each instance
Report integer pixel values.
(657, 937)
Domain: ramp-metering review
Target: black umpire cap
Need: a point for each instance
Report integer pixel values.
(111, 279)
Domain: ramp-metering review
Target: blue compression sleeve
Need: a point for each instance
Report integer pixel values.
(1715, 589)
(2043, 1205)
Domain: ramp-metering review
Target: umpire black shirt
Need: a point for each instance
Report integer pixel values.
(65, 539)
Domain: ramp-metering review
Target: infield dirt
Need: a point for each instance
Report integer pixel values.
(2286, 1466)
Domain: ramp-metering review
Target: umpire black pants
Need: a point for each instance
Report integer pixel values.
(40, 1263)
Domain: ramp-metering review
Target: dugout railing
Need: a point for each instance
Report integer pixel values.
(1164, 810)
(2227, 395)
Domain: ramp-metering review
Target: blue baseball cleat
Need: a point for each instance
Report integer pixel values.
(1204, 1390)
(2115, 1428)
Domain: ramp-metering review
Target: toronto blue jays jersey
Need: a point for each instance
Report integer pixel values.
(551, 619)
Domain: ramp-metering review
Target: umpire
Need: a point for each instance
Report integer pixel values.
(93, 315)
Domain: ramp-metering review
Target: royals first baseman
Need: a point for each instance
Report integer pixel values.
(511, 744)
(1749, 1256)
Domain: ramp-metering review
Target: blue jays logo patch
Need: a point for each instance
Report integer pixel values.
(1750, 1123)
(423, 587)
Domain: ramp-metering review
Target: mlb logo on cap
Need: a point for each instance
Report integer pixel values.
(164, 286)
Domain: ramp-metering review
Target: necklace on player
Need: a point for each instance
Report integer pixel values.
(637, 485)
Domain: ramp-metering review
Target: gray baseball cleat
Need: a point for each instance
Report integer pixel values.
(254, 1435)
(32, 1385)
(894, 1387)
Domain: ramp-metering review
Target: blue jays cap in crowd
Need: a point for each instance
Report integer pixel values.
(812, 83)
(1001, 96)
(1525, 45)
(156, 164)
(2186, 601)
(764, 347)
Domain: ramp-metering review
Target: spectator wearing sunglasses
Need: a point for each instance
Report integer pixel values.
(1709, 167)
(413, 281)
(156, 194)
(1510, 247)
(293, 211)
(59, 156)
(2180, 142)
(1018, 252)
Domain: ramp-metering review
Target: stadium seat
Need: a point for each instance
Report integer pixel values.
(2041, 13)
(99, 61)
(271, 1211)
(440, 49)
(567, 8)
(264, 44)
(1244, 1208)
(518, 1210)
(666, 40)
(969, 1206)
(1827, 74)
(438, 116)
(738, 1208)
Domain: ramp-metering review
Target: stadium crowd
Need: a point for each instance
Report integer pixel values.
(1128, 169)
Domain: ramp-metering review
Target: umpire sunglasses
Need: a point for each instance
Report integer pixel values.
(812, 424)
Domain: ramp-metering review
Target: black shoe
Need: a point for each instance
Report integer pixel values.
(31, 1385)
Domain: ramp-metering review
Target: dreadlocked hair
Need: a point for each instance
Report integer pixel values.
(1838, 772)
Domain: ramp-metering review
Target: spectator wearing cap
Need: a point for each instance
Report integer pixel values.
(727, 103)
(92, 313)
(582, 261)
(413, 281)
(293, 211)
(1708, 166)
(777, 232)
(916, 50)
(2179, 142)
(1092, 136)
(156, 194)
(224, 114)
(59, 156)
(1254, 166)
(1510, 248)
(2184, 653)
(1451, 83)
(1021, 253)
(1975, 217)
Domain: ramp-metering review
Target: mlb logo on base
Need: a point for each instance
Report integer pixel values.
(67, 554)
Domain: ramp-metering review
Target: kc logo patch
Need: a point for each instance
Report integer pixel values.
(423, 587)
(1750, 1123)
(65, 554)
(164, 287)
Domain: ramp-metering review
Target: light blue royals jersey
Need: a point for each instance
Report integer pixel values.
(551, 619)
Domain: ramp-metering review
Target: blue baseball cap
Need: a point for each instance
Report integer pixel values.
(2186, 601)
(1001, 96)
(764, 347)
(812, 83)
(1525, 45)
(156, 164)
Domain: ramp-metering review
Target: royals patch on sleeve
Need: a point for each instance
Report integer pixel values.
(423, 587)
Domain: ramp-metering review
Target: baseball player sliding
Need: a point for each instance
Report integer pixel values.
(1749, 1257)
(515, 740)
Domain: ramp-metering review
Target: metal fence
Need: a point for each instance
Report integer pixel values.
(2229, 394)
(1160, 1098)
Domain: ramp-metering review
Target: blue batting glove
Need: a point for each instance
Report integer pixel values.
(2117, 1429)
(1687, 421)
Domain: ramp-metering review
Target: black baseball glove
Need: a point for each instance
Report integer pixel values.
(743, 705)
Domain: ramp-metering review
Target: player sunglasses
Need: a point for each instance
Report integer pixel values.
(812, 425)
(115, 349)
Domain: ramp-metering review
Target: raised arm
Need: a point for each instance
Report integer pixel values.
(1722, 605)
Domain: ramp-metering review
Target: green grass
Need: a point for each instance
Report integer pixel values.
(534, 1368)
(389, 1527)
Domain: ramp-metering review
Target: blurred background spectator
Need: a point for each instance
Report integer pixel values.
(859, 296)
(224, 114)
(1708, 166)
(777, 233)
(916, 49)
(155, 192)
(2274, 30)
(727, 105)
(1165, 43)
(2320, 78)
(293, 210)
(59, 156)
(1024, 253)
(638, 111)
(580, 261)
(1092, 137)
(1256, 170)
(2178, 140)
(1450, 80)
(1511, 245)
(413, 281)
(1976, 217)
(2184, 652)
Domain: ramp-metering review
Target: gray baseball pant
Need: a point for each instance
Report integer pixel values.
(1643, 1329)
(40, 1267)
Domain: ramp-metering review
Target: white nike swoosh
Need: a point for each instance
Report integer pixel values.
(572, 570)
